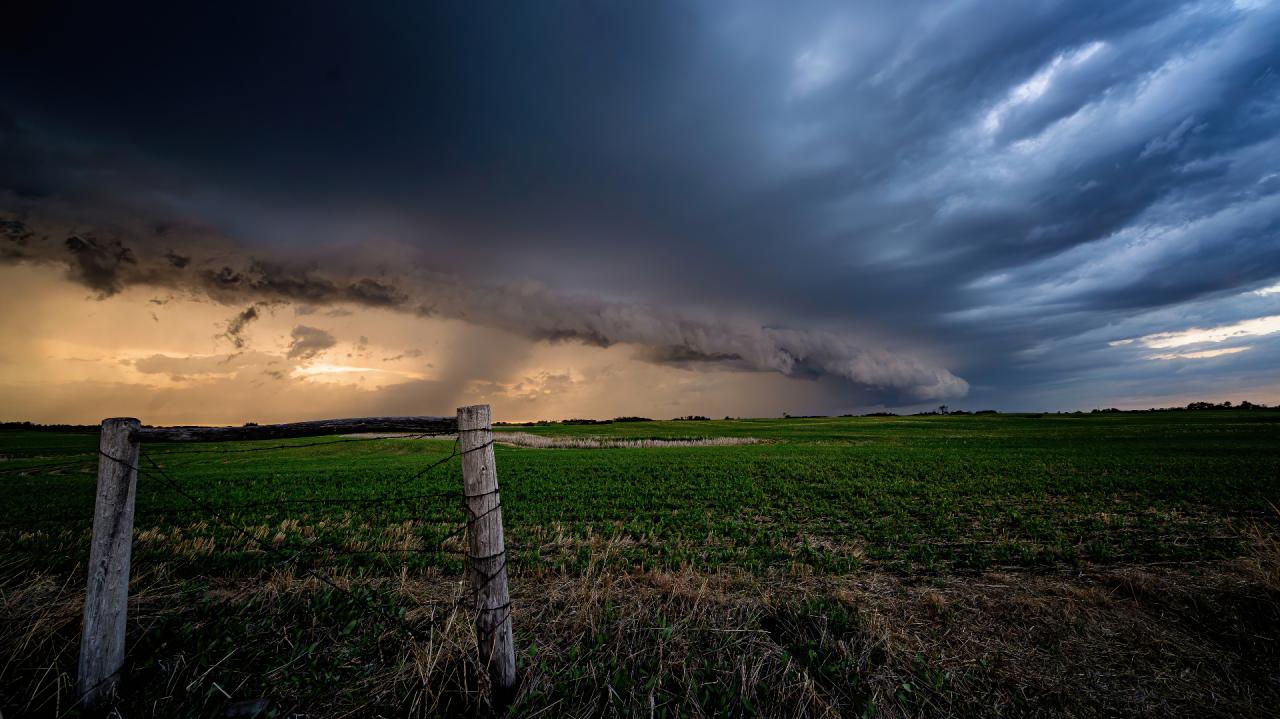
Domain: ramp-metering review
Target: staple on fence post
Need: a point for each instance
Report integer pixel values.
(107, 593)
(487, 548)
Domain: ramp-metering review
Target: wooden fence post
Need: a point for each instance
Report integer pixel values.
(107, 596)
(487, 548)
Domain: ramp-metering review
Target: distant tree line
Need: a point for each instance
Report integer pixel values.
(1225, 405)
(36, 427)
(1245, 405)
(941, 410)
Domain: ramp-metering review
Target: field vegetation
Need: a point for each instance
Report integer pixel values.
(1107, 564)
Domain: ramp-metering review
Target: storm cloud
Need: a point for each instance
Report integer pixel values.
(237, 325)
(920, 202)
(528, 309)
(307, 342)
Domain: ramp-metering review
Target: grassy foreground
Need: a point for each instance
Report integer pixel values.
(1118, 564)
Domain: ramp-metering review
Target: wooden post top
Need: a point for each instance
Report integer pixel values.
(476, 416)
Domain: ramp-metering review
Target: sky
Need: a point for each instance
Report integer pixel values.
(231, 212)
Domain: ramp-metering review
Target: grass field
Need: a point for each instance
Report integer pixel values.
(1112, 564)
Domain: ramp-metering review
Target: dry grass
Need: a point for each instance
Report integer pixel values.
(1190, 640)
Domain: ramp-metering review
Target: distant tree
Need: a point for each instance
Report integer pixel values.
(942, 409)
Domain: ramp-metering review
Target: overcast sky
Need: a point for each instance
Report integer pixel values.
(273, 211)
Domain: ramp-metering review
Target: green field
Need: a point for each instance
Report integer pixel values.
(795, 540)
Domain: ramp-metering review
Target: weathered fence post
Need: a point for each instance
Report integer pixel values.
(107, 596)
(487, 548)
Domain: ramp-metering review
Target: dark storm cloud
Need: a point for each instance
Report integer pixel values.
(307, 342)
(237, 325)
(986, 184)
(97, 263)
(665, 335)
(278, 281)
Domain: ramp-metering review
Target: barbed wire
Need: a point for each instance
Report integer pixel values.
(87, 461)
(303, 559)
(345, 440)
(270, 550)
(88, 456)
(11, 456)
(151, 512)
(146, 512)
(35, 521)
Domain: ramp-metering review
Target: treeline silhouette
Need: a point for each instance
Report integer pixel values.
(942, 410)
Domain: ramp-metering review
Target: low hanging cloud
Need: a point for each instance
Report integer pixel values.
(309, 342)
(237, 325)
(97, 263)
(661, 335)
(669, 336)
(189, 367)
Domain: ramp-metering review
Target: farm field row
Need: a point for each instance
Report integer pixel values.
(888, 566)
(819, 495)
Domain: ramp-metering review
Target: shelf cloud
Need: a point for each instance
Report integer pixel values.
(661, 335)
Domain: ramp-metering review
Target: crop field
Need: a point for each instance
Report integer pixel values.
(989, 565)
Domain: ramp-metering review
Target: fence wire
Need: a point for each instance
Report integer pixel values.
(298, 559)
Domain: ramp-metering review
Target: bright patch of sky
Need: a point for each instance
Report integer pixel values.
(1035, 87)
(1256, 327)
(1202, 354)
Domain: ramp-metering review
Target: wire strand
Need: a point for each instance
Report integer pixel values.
(480, 579)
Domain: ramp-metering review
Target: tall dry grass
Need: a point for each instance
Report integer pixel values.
(1156, 641)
